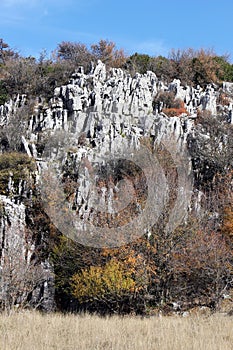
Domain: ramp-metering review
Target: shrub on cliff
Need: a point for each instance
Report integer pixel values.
(16, 166)
(3, 93)
(166, 102)
(211, 149)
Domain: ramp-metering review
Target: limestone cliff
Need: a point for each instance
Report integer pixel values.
(89, 122)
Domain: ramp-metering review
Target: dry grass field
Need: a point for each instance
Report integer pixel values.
(34, 331)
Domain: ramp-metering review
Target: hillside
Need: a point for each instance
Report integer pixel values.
(116, 194)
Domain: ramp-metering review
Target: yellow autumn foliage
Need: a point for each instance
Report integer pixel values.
(99, 282)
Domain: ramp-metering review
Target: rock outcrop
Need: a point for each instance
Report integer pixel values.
(101, 114)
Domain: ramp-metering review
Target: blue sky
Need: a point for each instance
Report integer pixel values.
(152, 27)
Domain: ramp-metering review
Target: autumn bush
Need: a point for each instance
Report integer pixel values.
(107, 52)
(166, 102)
(103, 280)
(111, 286)
(201, 269)
(175, 112)
(164, 99)
(227, 227)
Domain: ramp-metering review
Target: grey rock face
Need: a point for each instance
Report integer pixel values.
(96, 115)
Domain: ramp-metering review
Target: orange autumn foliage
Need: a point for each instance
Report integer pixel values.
(227, 227)
(175, 111)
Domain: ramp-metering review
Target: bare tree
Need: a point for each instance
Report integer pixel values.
(21, 273)
(107, 52)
